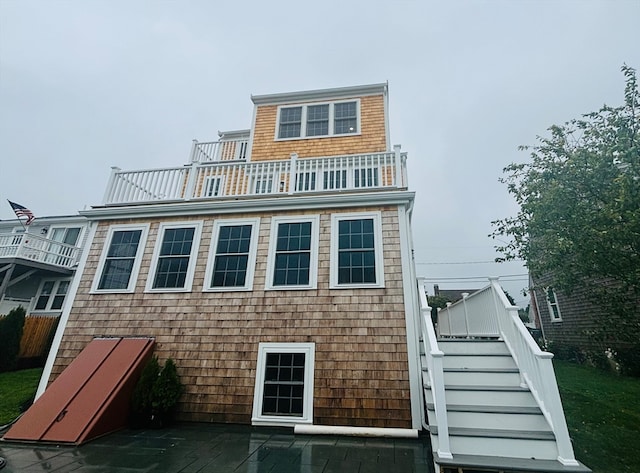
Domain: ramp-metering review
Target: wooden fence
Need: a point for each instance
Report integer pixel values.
(36, 334)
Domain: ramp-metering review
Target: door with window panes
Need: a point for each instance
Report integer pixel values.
(59, 254)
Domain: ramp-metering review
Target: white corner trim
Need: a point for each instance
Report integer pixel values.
(64, 317)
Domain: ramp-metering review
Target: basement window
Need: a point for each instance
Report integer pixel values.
(284, 384)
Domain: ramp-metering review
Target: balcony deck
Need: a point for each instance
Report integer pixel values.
(37, 251)
(218, 171)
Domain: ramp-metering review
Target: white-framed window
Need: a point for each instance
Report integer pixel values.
(306, 181)
(318, 120)
(293, 253)
(356, 250)
(120, 260)
(213, 186)
(283, 392)
(232, 255)
(51, 295)
(552, 304)
(174, 257)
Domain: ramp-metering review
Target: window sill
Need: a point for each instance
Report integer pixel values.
(298, 138)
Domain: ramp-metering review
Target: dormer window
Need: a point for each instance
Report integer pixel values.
(318, 120)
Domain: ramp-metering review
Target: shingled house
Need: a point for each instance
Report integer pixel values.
(276, 269)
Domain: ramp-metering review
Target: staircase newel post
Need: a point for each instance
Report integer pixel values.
(466, 314)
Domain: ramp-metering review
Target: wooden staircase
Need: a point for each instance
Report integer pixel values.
(494, 421)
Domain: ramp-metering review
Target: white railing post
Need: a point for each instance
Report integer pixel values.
(466, 313)
(397, 158)
(293, 172)
(191, 181)
(194, 148)
(108, 194)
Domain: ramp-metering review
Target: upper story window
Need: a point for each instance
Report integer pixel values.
(318, 120)
(293, 253)
(552, 304)
(173, 262)
(232, 255)
(356, 250)
(120, 260)
(51, 295)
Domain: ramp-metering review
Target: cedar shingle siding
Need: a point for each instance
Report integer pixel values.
(372, 137)
(361, 375)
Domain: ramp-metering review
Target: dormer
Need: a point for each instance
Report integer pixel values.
(327, 122)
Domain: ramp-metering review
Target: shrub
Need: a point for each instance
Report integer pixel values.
(10, 335)
(156, 394)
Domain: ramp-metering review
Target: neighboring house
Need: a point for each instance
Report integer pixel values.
(572, 321)
(37, 262)
(276, 269)
(452, 295)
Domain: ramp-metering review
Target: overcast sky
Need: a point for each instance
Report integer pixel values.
(87, 84)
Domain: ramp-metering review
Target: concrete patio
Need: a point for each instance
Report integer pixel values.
(191, 448)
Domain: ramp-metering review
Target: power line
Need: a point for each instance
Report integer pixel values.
(468, 262)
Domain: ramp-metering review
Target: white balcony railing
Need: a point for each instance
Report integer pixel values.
(233, 178)
(227, 150)
(39, 249)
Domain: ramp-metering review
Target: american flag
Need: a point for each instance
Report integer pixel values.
(22, 211)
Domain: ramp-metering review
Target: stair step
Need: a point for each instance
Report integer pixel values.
(482, 377)
(505, 397)
(473, 347)
(482, 360)
(497, 433)
(493, 463)
(531, 410)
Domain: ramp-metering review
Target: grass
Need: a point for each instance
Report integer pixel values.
(16, 388)
(603, 415)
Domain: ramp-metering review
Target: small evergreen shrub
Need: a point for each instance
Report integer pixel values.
(10, 335)
(156, 394)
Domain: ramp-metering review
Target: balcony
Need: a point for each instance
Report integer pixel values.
(36, 249)
(217, 172)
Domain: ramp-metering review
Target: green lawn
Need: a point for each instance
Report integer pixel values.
(603, 414)
(16, 387)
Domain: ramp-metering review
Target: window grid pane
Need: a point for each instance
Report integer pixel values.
(284, 384)
(173, 261)
(46, 292)
(345, 118)
(290, 122)
(356, 252)
(318, 120)
(293, 254)
(119, 261)
(232, 256)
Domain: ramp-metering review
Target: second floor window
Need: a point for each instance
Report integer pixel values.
(293, 253)
(232, 255)
(552, 304)
(174, 257)
(121, 258)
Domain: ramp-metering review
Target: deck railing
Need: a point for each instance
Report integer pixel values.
(232, 178)
(227, 150)
(435, 371)
(37, 248)
(488, 313)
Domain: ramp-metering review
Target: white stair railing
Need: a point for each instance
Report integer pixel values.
(536, 369)
(435, 372)
(473, 316)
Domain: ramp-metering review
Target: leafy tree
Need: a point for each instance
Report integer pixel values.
(10, 335)
(579, 198)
